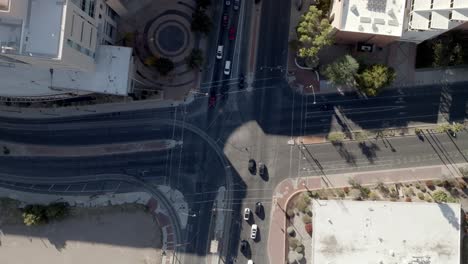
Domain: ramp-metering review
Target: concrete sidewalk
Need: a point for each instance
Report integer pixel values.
(277, 250)
(88, 150)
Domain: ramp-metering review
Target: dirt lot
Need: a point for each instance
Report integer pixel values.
(113, 234)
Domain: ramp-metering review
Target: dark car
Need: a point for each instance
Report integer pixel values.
(244, 246)
(225, 19)
(232, 33)
(326, 107)
(252, 166)
(241, 81)
(261, 169)
(258, 208)
(212, 100)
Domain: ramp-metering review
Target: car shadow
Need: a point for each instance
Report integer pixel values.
(261, 214)
(266, 175)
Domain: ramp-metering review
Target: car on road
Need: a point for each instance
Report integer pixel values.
(212, 100)
(258, 208)
(227, 2)
(252, 166)
(253, 231)
(236, 4)
(326, 107)
(250, 261)
(219, 52)
(261, 169)
(225, 19)
(241, 81)
(227, 68)
(232, 33)
(247, 214)
(244, 246)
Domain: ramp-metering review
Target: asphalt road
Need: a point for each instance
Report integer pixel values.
(256, 124)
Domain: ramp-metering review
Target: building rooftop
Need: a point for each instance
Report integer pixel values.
(31, 27)
(384, 17)
(385, 232)
(112, 76)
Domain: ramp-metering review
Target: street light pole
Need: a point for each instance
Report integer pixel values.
(313, 92)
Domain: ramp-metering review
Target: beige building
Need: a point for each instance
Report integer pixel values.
(383, 21)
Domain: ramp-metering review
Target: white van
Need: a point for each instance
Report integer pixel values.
(227, 68)
(219, 53)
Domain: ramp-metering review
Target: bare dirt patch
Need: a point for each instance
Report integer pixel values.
(112, 234)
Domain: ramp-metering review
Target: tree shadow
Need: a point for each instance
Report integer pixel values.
(345, 154)
(369, 150)
(449, 214)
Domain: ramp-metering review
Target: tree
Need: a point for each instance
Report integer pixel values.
(342, 71)
(195, 59)
(373, 78)
(201, 22)
(34, 215)
(314, 32)
(447, 50)
(57, 211)
(164, 65)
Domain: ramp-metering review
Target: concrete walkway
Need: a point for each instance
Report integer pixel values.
(88, 150)
(277, 250)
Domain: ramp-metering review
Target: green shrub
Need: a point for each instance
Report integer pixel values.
(364, 192)
(428, 198)
(438, 183)
(293, 242)
(291, 231)
(423, 189)
(418, 186)
(373, 196)
(341, 194)
(336, 137)
(300, 249)
(409, 192)
(421, 196)
(290, 213)
(306, 219)
(442, 197)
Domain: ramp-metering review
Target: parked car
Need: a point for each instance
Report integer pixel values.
(225, 19)
(232, 33)
(246, 214)
(219, 52)
(250, 261)
(253, 231)
(228, 2)
(236, 4)
(241, 81)
(258, 208)
(244, 246)
(261, 169)
(252, 165)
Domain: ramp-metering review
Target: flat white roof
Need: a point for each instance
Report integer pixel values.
(32, 27)
(383, 17)
(112, 76)
(385, 232)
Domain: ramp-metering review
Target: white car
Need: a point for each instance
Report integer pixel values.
(246, 214)
(227, 68)
(250, 261)
(253, 232)
(219, 52)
